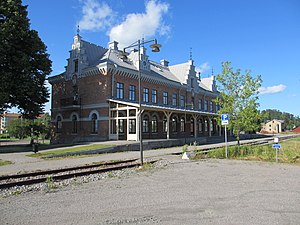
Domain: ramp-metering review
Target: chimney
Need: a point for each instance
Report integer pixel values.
(164, 62)
(113, 45)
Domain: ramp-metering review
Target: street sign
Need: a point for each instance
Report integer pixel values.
(276, 146)
(224, 119)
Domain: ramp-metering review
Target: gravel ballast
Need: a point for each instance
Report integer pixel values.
(171, 192)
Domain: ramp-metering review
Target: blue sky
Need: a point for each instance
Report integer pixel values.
(263, 36)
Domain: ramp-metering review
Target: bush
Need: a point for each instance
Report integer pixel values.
(4, 136)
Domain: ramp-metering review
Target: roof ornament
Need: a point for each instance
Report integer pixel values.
(78, 30)
(191, 53)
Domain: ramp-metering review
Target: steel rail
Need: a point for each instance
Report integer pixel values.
(109, 167)
(38, 173)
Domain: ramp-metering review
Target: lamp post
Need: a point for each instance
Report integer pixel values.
(155, 48)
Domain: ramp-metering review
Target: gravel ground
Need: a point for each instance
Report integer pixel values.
(172, 192)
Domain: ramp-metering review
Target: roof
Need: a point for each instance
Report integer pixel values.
(296, 130)
(10, 115)
(180, 71)
(93, 52)
(158, 107)
(94, 57)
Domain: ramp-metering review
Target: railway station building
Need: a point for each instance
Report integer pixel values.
(96, 98)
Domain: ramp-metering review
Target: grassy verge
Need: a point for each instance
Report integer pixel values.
(288, 153)
(4, 162)
(67, 150)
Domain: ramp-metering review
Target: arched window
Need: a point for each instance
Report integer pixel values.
(58, 124)
(205, 125)
(200, 125)
(174, 124)
(145, 124)
(94, 123)
(74, 124)
(154, 124)
(182, 125)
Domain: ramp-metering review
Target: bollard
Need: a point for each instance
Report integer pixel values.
(35, 147)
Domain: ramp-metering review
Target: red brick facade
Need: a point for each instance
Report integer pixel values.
(93, 103)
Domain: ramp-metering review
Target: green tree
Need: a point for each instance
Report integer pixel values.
(19, 128)
(239, 98)
(24, 63)
(43, 127)
(22, 128)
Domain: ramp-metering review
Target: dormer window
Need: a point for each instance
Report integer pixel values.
(76, 66)
(192, 82)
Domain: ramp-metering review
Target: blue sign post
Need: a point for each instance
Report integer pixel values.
(224, 121)
(277, 147)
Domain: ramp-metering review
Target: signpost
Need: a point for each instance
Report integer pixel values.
(225, 121)
(276, 146)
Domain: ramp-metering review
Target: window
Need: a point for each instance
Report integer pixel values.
(182, 125)
(174, 99)
(94, 123)
(145, 124)
(200, 104)
(154, 124)
(146, 95)
(76, 66)
(192, 126)
(154, 96)
(211, 106)
(205, 125)
(165, 98)
(174, 124)
(205, 105)
(120, 90)
(132, 93)
(193, 102)
(132, 126)
(211, 126)
(121, 126)
(200, 125)
(182, 101)
(74, 124)
(192, 82)
(58, 124)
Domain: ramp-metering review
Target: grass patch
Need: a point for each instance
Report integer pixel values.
(4, 162)
(67, 150)
(288, 153)
(146, 166)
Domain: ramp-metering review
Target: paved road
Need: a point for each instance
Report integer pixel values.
(183, 192)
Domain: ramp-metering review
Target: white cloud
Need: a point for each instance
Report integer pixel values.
(203, 67)
(137, 25)
(96, 16)
(272, 89)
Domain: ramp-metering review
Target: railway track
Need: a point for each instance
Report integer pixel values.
(64, 173)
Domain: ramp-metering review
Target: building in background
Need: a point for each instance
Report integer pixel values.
(296, 130)
(5, 119)
(96, 98)
(273, 127)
